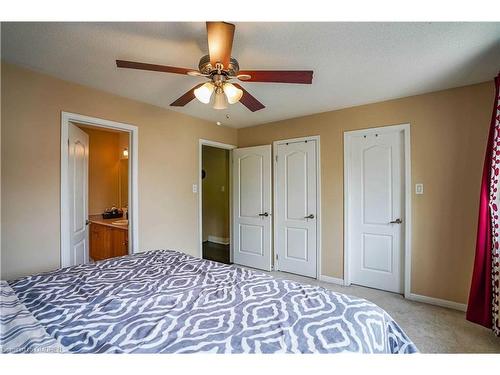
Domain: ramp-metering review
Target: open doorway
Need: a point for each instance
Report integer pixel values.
(98, 189)
(107, 193)
(215, 204)
(215, 201)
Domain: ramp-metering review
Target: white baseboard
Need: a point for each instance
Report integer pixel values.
(331, 280)
(411, 296)
(437, 302)
(219, 240)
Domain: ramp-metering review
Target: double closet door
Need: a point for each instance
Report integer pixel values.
(296, 207)
(295, 201)
(252, 236)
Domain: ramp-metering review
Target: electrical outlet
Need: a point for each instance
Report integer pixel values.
(195, 188)
(419, 189)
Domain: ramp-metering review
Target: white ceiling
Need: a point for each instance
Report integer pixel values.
(353, 63)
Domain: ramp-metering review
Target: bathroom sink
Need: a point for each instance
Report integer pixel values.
(120, 222)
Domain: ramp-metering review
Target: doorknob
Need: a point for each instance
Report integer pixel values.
(264, 214)
(311, 216)
(397, 221)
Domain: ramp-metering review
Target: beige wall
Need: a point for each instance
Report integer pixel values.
(215, 201)
(449, 130)
(31, 123)
(104, 169)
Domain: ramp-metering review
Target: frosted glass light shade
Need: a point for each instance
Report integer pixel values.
(220, 100)
(233, 93)
(204, 92)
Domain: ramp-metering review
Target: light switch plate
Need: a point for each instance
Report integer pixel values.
(419, 189)
(195, 188)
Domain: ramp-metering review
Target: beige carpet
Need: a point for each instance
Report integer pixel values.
(433, 329)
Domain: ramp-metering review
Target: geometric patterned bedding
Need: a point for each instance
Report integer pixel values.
(20, 332)
(164, 301)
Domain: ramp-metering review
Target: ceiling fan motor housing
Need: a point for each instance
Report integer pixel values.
(205, 67)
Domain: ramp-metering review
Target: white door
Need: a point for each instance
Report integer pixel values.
(252, 206)
(375, 163)
(296, 205)
(78, 158)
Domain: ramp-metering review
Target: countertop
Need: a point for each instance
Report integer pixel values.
(97, 219)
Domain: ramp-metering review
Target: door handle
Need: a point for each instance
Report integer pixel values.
(264, 214)
(311, 216)
(87, 222)
(397, 221)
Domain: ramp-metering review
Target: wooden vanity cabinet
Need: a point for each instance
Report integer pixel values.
(107, 242)
(119, 241)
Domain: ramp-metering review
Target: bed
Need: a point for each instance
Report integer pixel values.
(164, 301)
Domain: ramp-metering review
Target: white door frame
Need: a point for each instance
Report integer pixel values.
(133, 155)
(225, 146)
(318, 197)
(407, 191)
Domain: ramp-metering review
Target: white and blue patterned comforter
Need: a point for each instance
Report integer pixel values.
(168, 302)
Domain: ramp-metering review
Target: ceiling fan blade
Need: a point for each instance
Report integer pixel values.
(186, 98)
(278, 76)
(220, 42)
(152, 67)
(249, 101)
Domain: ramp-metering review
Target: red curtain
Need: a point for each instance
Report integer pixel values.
(483, 298)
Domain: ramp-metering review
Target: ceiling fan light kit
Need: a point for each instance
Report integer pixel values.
(219, 67)
(225, 92)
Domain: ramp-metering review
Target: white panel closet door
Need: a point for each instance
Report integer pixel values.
(376, 188)
(252, 206)
(296, 204)
(78, 159)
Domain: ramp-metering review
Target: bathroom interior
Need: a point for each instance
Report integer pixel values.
(108, 190)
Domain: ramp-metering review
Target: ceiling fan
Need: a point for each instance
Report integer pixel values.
(220, 68)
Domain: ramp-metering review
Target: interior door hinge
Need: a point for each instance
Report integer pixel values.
(276, 158)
